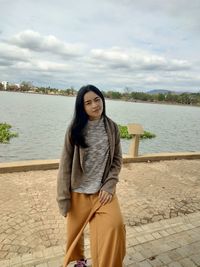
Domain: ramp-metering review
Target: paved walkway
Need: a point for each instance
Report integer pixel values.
(171, 242)
(160, 202)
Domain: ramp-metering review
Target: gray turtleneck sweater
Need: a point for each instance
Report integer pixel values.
(95, 157)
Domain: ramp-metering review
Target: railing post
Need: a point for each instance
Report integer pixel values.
(136, 130)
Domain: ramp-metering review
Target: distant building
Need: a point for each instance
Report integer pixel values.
(17, 84)
(5, 85)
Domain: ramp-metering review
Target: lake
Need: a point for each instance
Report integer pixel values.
(41, 122)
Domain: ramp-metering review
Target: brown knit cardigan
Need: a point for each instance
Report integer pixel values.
(71, 166)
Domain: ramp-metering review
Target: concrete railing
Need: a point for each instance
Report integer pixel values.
(35, 165)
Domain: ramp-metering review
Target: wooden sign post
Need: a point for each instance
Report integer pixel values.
(136, 130)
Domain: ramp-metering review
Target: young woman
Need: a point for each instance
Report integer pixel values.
(88, 173)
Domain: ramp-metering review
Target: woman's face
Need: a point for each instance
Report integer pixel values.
(93, 105)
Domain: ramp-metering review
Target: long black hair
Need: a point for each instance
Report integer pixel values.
(80, 118)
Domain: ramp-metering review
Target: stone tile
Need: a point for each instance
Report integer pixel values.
(128, 260)
(163, 233)
(141, 239)
(145, 264)
(58, 250)
(173, 244)
(185, 251)
(134, 264)
(138, 247)
(182, 241)
(155, 262)
(174, 255)
(147, 253)
(16, 260)
(55, 263)
(132, 242)
(12, 255)
(156, 235)
(38, 255)
(164, 247)
(139, 229)
(164, 258)
(27, 257)
(196, 259)
(186, 262)
(5, 263)
(137, 256)
(42, 265)
(48, 252)
(175, 264)
(149, 237)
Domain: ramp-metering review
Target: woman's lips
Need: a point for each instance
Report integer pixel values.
(96, 110)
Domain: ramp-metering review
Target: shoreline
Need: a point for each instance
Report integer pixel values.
(49, 164)
(155, 103)
(131, 101)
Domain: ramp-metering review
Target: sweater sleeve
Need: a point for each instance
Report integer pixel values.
(112, 178)
(64, 177)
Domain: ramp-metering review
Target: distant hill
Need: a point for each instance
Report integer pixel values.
(158, 91)
(162, 91)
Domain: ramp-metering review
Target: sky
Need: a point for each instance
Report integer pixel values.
(112, 44)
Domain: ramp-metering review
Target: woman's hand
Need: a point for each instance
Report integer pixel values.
(104, 197)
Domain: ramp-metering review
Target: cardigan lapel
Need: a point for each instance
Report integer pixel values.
(110, 137)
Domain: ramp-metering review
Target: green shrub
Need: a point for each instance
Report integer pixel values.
(124, 133)
(5, 133)
(147, 135)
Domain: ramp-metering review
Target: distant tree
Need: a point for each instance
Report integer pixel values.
(70, 91)
(160, 97)
(169, 97)
(127, 90)
(1, 86)
(140, 96)
(73, 90)
(127, 93)
(185, 98)
(195, 98)
(25, 86)
(116, 95)
(13, 87)
(113, 95)
(43, 90)
(144, 97)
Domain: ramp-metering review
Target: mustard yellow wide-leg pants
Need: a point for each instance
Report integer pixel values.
(107, 231)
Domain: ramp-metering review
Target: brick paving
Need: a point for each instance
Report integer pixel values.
(32, 233)
(171, 242)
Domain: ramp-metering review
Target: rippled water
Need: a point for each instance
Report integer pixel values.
(41, 121)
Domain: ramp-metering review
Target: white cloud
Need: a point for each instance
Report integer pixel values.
(10, 53)
(116, 43)
(137, 60)
(44, 66)
(36, 42)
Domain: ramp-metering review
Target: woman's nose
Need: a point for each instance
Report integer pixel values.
(94, 104)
